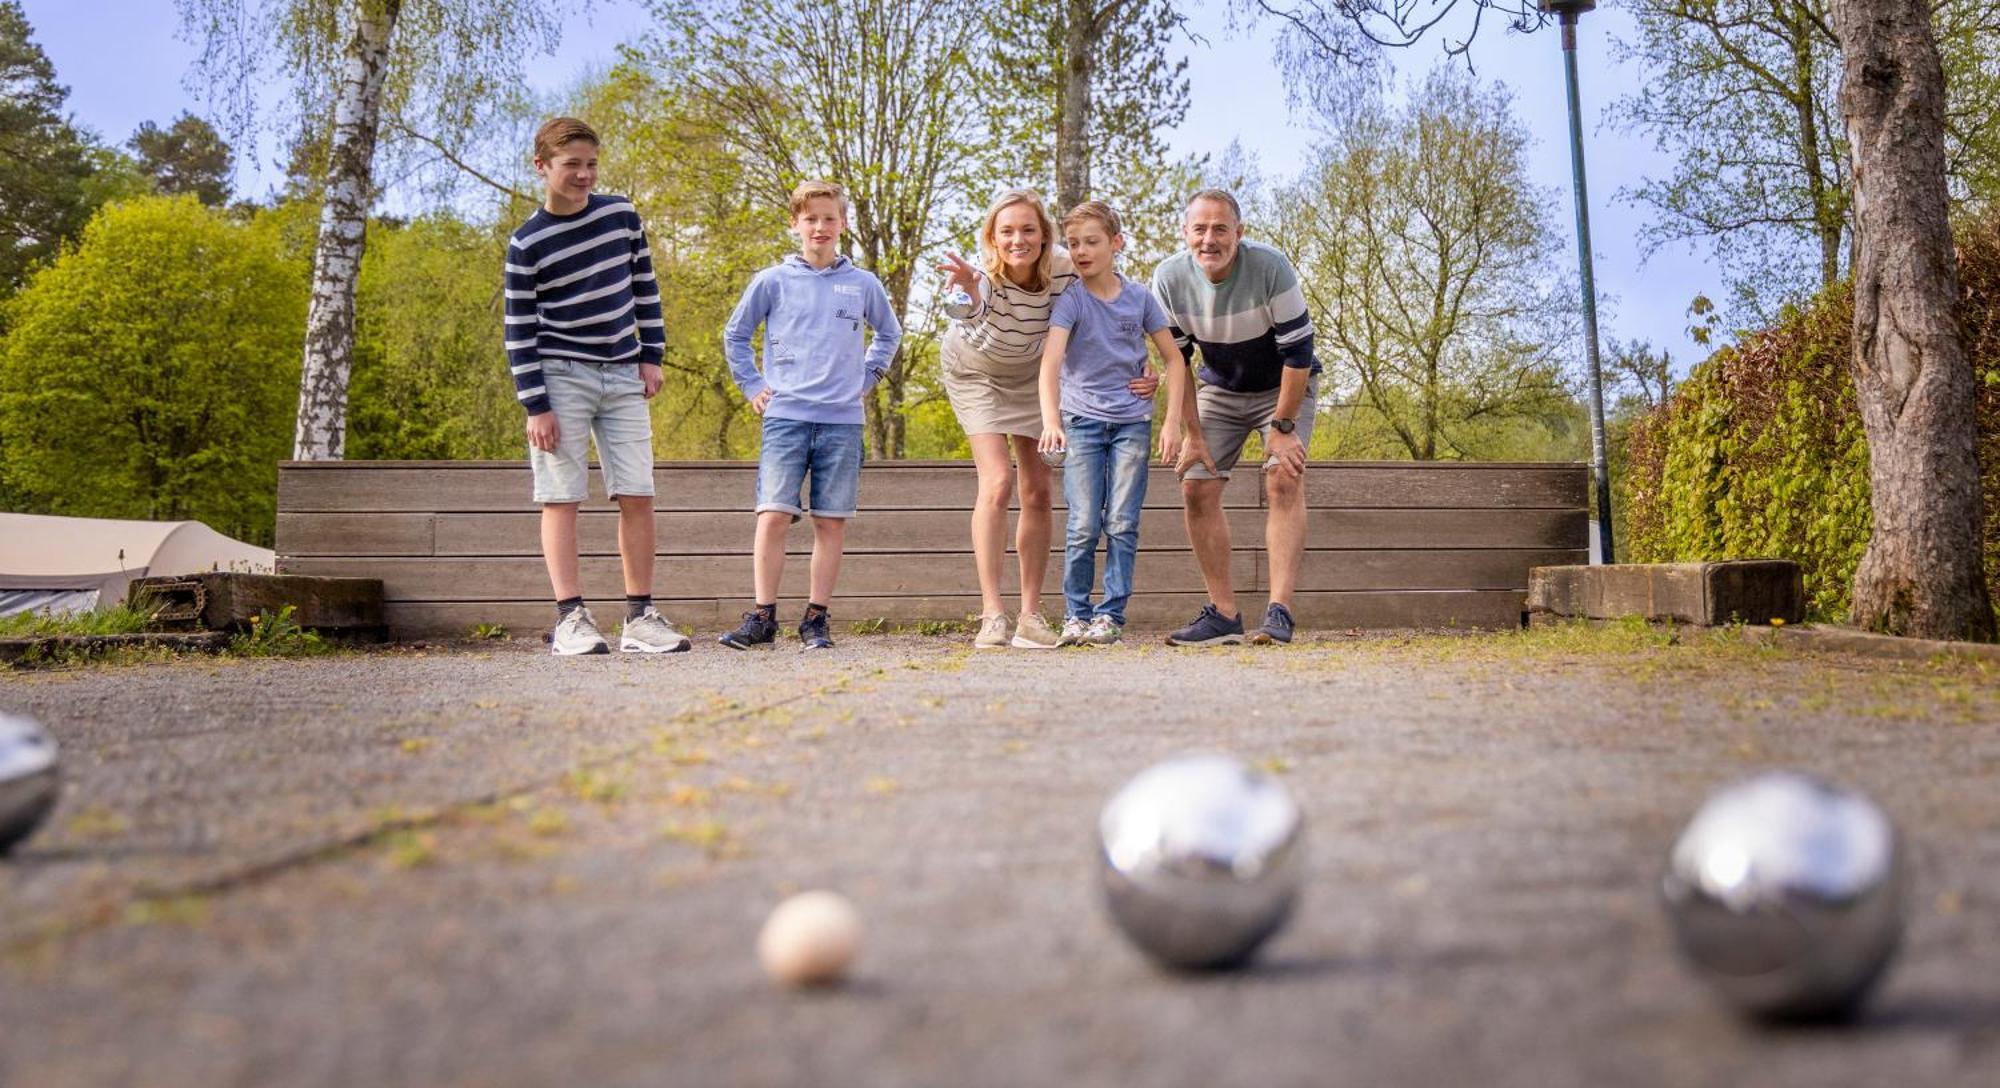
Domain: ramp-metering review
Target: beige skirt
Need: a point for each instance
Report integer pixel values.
(989, 397)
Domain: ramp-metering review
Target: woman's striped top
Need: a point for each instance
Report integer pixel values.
(1006, 322)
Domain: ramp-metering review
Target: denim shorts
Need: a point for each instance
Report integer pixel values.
(830, 453)
(607, 400)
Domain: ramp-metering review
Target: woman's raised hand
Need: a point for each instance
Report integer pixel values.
(959, 273)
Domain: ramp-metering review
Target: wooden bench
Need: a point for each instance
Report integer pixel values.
(1390, 544)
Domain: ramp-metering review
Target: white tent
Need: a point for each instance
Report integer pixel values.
(76, 564)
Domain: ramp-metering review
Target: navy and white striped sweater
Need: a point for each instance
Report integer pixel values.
(580, 286)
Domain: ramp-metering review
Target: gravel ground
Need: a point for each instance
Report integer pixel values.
(477, 865)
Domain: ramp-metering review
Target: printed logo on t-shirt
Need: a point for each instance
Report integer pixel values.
(1128, 328)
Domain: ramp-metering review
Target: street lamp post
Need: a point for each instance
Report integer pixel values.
(1568, 11)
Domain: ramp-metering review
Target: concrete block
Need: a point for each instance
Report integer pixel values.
(1701, 594)
(227, 601)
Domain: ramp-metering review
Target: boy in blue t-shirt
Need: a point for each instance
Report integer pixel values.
(1093, 366)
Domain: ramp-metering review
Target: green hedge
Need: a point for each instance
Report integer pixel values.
(1761, 453)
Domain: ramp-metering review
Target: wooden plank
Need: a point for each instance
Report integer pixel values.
(945, 531)
(1151, 614)
(880, 574)
(1459, 485)
(363, 534)
(482, 486)
(1424, 568)
(687, 533)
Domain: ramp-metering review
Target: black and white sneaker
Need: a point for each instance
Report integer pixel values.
(1209, 629)
(813, 630)
(758, 628)
(1277, 626)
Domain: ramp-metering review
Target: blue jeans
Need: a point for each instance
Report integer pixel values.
(1104, 483)
(828, 452)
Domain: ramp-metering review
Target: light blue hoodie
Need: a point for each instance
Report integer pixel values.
(814, 361)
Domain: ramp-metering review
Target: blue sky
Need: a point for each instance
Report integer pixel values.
(125, 63)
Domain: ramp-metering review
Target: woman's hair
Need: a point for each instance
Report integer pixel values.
(989, 247)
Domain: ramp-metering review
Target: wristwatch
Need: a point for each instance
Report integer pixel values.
(1284, 426)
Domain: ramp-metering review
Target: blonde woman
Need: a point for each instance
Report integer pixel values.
(992, 367)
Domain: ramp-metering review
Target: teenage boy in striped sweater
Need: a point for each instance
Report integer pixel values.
(584, 341)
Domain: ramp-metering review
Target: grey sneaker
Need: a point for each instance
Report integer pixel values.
(1209, 629)
(1073, 631)
(1277, 627)
(1102, 632)
(650, 633)
(577, 634)
(1031, 632)
(992, 633)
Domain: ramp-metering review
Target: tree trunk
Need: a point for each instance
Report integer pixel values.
(1922, 573)
(1080, 34)
(343, 223)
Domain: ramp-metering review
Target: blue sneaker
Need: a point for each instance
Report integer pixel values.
(757, 629)
(1209, 629)
(1277, 626)
(812, 630)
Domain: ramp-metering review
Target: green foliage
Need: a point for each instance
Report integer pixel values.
(1430, 268)
(47, 165)
(1761, 451)
(188, 156)
(150, 372)
(430, 381)
(278, 635)
(1765, 172)
(110, 621)
(489, 631)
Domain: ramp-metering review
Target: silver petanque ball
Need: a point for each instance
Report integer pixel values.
(1200, 860)
(29, 778)
(1054, 458)
(1785, 894)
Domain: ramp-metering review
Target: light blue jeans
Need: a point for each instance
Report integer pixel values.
(1104, 484)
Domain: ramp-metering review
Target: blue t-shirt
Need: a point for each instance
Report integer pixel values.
(1107, 349)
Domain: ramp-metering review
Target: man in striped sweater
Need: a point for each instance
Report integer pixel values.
(1240, 303)
(584, 342)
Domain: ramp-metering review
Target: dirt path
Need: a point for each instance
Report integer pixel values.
(487, 867)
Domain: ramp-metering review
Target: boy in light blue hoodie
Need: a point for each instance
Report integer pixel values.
(816, 372)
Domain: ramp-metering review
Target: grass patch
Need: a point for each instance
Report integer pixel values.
(113, 621)
(278, 635)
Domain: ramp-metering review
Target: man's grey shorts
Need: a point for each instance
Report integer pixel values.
(1227, 418)
(605, 399)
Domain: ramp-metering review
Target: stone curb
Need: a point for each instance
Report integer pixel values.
(1850, 640)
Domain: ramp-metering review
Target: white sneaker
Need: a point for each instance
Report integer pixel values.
(1073, 630)
(577, 634)
(992, 633)
(650, 633)
(1031, 632)
(1102, 631)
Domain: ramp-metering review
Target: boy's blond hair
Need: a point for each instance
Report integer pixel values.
(989, 246)
(813, 190)
(557, 131)
(1094, 211)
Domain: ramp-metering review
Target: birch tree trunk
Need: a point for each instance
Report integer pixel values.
(1921, 574)
(321, 434)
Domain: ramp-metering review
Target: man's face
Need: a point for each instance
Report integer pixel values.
(819, 223)
(1212, 232)
(572, 173)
